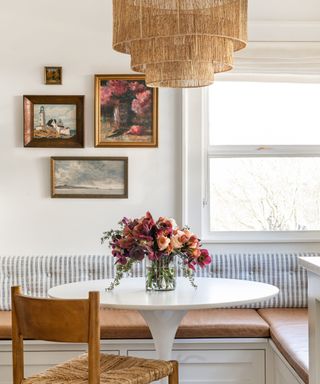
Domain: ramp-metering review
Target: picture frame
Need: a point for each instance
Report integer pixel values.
(53, 75)
(126, 112)
(53, 121)
(89, 177)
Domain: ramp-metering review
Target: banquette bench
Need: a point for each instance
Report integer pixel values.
(283, 319)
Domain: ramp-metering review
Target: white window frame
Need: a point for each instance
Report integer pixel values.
(196, 154)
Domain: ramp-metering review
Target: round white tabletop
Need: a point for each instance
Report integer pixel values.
(131, 293)
(163, 311)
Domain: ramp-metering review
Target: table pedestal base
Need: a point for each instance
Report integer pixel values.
(163, 326)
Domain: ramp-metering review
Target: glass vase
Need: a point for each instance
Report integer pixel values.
(161, 274)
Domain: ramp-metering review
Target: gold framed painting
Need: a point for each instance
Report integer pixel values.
(126, 112)
(89, 177)
(53, 121)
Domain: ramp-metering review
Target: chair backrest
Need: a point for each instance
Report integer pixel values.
(73, 321)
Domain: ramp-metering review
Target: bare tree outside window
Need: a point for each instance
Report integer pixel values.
(265, 194)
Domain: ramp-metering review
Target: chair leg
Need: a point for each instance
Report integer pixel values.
(174, 377)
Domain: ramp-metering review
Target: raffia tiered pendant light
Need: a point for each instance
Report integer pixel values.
(180, 43)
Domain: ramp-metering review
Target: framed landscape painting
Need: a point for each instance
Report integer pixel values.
(89, 177)
(54, 121)
(126, 112)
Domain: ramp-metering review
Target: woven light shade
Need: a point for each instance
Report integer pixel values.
(184, 74)
(180, 43)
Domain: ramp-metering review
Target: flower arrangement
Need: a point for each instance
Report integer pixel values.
(158, 242)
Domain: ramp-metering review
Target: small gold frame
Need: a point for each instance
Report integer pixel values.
(53, 75)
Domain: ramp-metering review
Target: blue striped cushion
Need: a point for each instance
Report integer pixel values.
(36, 274)
(281, 270)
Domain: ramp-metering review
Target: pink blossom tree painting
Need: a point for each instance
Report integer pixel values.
(126, 112)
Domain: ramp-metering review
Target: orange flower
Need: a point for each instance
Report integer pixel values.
(175, 241)
(196, 253)
(193, 242)
(163, 242)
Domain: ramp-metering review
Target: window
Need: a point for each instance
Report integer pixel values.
(255, 185)
(260, 162)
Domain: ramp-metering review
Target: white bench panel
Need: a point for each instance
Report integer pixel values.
(283, 373)
(215, 361)
(225, 361)
(217, 366)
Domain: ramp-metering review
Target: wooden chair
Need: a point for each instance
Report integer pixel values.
(76, 321)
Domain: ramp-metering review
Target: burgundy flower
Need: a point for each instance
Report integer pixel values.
(152, 255)
(191, 265)
(125, 221)
(122, 260)
(126, 242)
(137, 253)
(165, 226)
(204, 258)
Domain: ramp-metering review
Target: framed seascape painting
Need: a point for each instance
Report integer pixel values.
(89, 177)
(54, 121)
(126, 112)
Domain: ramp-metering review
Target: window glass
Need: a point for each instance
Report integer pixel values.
(264, 194)
(257, 113)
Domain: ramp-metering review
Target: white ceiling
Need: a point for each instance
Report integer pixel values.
(288, 10)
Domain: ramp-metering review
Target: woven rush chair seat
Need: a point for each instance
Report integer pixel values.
(113, 370)
(40, 319)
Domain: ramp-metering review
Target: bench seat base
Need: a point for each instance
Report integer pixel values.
(231, 342)
(203, 361)
(289, 332)
(211, 323)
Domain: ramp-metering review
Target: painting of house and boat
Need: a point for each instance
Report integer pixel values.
(54, 121)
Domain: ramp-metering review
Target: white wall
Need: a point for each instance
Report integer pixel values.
(76, 34)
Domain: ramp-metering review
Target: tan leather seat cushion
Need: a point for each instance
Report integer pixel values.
(289, 332)
(5, 324)
(125, 324)
(223, 323)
